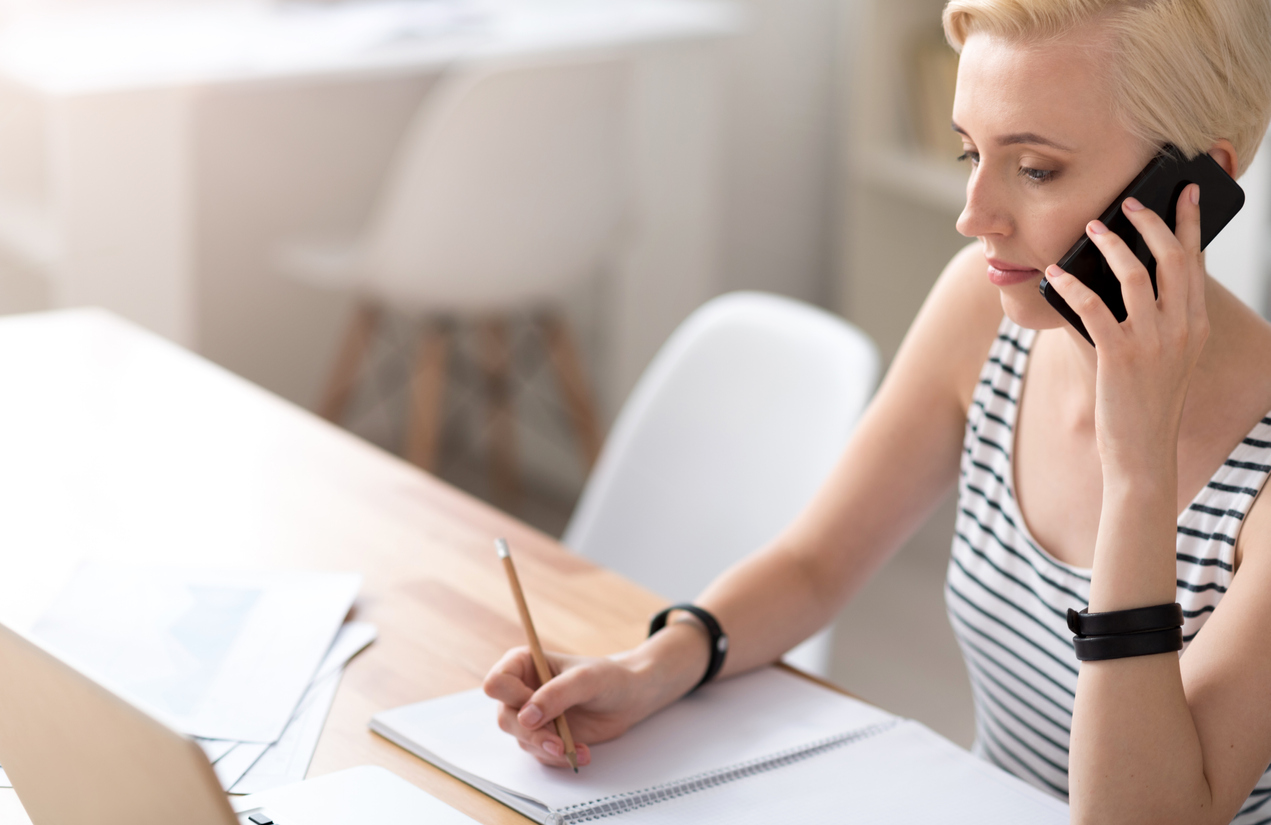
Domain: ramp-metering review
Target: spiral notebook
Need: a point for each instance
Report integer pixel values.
(762, 748)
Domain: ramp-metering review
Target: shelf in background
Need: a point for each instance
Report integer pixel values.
(934, 183)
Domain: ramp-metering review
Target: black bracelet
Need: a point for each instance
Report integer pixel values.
(1123, 646)
(718, 639)
(1118, 622)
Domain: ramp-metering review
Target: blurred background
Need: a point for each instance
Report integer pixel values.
(269, 183)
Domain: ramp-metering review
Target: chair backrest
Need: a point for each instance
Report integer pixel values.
(507, 187)
(725, 438)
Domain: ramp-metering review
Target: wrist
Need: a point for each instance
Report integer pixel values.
(1135, 551)
(1140, 486)
(670, 663)
(1140, 468)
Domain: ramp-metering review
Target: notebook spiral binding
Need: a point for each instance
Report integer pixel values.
(630, 801)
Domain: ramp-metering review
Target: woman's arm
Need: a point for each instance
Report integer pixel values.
(899, 463)
(1157, 738)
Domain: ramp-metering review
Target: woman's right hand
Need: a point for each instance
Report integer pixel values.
(601, 698)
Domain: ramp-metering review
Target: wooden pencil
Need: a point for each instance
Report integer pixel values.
(536, 650)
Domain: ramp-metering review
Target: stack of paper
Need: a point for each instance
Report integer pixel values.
(251, 767)
(247, 663)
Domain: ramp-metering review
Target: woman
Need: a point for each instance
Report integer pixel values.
(1124, 477)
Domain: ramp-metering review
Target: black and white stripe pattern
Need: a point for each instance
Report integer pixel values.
(1008, 598)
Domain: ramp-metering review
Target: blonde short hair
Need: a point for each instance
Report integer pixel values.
(1186, 72)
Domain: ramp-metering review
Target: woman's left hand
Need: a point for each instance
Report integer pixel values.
(1145, 363)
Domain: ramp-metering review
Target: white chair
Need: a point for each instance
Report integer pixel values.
(724, 439)
(508, 188)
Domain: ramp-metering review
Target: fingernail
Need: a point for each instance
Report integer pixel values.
(1133, 205)
(1097, 227)
(1195, 193)
(530, 715)
(553, 747)
(1053, 271)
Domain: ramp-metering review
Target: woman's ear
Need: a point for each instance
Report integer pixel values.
(1223, 152)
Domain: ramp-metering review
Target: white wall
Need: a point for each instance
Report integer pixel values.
(1240, 258)
(779, 148)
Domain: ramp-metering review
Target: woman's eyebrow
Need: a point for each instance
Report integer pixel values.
(1021, 137)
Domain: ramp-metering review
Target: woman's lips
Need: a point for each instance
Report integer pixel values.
(1008, 275)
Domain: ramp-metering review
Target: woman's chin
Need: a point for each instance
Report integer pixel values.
(1025, 306)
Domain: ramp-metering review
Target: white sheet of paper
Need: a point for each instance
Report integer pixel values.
(287, 760)
(712, 728)
(355, 796)
(4, 780)
(216, 654)
(353, 638)
(231, 767)
(215, 748)
(11, 812)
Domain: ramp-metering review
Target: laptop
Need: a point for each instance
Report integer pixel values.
(78, 754)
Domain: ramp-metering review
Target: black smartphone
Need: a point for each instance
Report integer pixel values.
(1157, 187)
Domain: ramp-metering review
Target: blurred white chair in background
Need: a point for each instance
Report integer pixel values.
(725, 438)
(508, 188)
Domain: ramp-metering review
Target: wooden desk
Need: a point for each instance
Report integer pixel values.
(115, 444)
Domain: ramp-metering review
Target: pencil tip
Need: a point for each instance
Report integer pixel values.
(575, 770)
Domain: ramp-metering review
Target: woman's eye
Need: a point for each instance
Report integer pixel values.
(1036, 175)
(974, 157)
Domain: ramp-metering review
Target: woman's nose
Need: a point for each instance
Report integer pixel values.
(983, 213)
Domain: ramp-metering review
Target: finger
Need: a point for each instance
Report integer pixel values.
(547, 747)
(539, 751)
(513, 679)
(508, 722)
(1187, 218)
(1094, 313)
(550, 750)
(1171, 259)
(571, 688)
(507, 689)
(544, 743)
(1136, 284)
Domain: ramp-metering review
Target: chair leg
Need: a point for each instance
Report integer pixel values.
(427, 395)
(573, 386)
(496, 361)
(357, 340)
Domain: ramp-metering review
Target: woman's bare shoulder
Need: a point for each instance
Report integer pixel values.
(1236, 374)
(957, 323)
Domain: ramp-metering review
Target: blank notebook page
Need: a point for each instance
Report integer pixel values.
(905, 776)
(723, 724)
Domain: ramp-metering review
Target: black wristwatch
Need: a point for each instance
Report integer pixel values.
(718, 639)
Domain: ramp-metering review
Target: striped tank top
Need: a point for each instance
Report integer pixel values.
(1008, 598)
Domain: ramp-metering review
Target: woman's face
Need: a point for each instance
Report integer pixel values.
(1047, 156)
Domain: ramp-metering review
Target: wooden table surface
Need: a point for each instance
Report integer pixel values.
(116, 445)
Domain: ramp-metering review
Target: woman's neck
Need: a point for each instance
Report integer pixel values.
(1075, 363)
